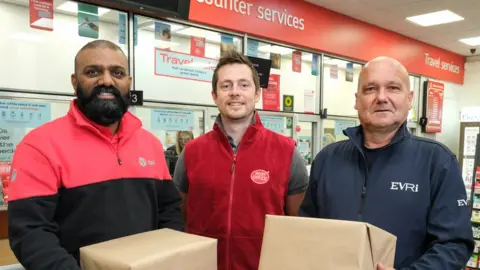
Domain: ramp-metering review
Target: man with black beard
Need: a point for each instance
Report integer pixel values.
(90, 176)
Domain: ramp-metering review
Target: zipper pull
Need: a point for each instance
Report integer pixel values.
(232, 169)
(364, 191)
(119, 161)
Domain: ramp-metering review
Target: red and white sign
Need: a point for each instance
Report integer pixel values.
(307, 25)
(197, 46)
(260, 176)
(435, 92)
(297, 61)
(41, 14)
(271, 95)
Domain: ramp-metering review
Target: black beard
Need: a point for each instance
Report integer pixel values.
(104, 112)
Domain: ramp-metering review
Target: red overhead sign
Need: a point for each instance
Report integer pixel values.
(307, 25)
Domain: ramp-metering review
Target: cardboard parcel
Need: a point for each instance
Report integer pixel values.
(160, 249)
(311, 243)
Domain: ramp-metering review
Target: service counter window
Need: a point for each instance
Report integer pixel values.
(340, 82)
(333, 130)
(415, 87)
(175, 62)
(17, 118)
(165, 123)
(293, 78)
(37, 52)
(305, 141)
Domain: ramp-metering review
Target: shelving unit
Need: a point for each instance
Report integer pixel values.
(474, 198)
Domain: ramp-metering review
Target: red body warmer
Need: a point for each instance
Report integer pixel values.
(230, 193)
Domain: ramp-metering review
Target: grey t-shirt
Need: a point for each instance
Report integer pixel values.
(298, 181)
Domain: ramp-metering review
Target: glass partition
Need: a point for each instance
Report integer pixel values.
(175, 62)
(340, 82)
(40, 53)
(333, 130)
(293, 76)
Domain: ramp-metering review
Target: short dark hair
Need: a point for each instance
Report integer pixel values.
(99, 43)
(234, 57)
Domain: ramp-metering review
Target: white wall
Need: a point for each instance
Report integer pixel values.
(40, 60)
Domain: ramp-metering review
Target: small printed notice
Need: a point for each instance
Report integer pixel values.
(172, 120)
(274, 123)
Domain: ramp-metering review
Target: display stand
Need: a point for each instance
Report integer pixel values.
(474, 203)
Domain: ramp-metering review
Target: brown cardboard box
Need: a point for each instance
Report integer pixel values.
(310, 243)
(161, 249)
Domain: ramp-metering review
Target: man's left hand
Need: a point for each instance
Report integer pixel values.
(381, 267)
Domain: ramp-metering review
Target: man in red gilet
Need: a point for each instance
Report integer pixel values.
(234, 175)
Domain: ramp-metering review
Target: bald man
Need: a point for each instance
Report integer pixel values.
(383, 175)
(90, 176)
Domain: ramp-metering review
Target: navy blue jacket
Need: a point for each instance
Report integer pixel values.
(414, 190)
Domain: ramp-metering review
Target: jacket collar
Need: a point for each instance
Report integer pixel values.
(128, 124)
(249, 134)
(355, 134)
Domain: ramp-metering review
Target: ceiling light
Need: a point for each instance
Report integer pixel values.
(435, 18)
(473, 41)
(72, 7)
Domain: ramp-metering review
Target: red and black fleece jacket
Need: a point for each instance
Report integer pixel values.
(74, 184)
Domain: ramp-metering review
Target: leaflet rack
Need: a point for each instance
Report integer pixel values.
(474, 203)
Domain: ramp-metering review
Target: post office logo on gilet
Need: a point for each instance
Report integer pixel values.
(260, 176)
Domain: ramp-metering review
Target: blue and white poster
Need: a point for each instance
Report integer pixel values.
(122, 28)
(341, 125)
(17, 118)
(24, 114)
(172, 120)
(184, 66)
(274, 123)
(252, 48)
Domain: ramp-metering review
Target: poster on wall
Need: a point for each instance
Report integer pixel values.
(349, 72)
(172, 120)
(197, 46)
(433, 108)
(122, 28)
(135, 30)
(297, 61)
(226, 44)
(341, 125)
(23, 114)
(314, 64)
(17, 118)
(252, 48)
(470, 140)
(41, 14)
(309, 101)
(333, 72)
(274, 123)
(304, 146)
(276, 60)
(288, 103)
(184, 66)
(163, 31)
(271, 95)
(88, 23)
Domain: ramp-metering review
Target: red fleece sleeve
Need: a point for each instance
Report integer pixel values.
(32, 174)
